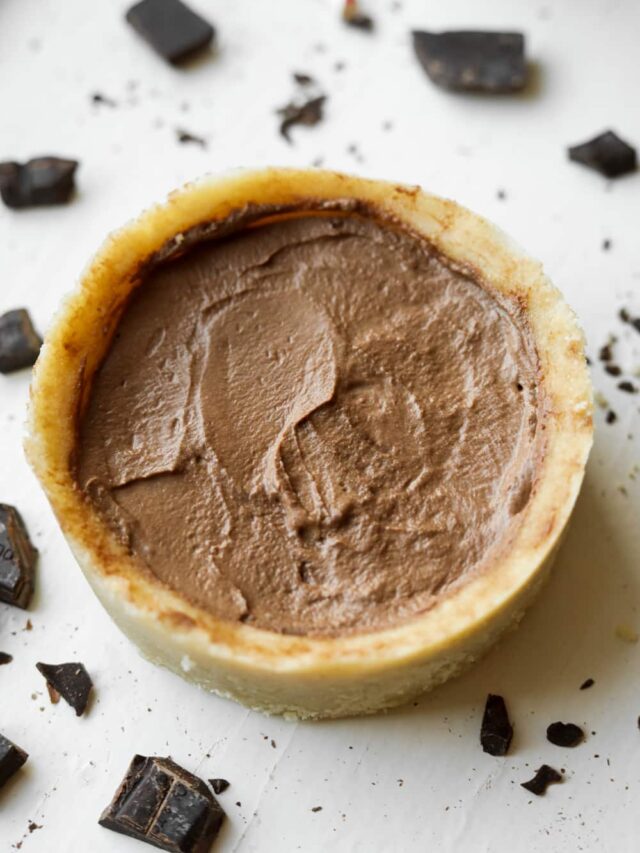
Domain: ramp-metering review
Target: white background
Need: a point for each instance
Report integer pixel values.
(415, 779)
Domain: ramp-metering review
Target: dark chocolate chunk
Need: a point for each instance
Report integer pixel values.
(353, 17)
(606, 353)
(544, 777)
(219, 786)
(496, 731)
(589, 682)
(624, 315)
(5, 658)
(613, 369)
(607, 154)
(629, 387)
(468, 61)
(303, 79)
(636, 323)
(185, 136)
(161, 803)
(19, 341)
(69, 680)
(565, 734)
(102, 100)
(17, 559)
(43, 180)
(309, 113)
(172, 29)
(611, 417)
(316, 809)
(11, 759)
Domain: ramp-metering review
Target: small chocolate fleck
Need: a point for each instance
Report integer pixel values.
(624, 315)
(635, 322)
(353, 17)
(628, 387)
(219, 786)
(501, 194)
(69, 680)
(316, 809)
(544, 777)
(185, 136)
(472, 61)
(496, 730)
(587, 684)
(565, 734)
(11, 759)
(303, 79)
(605, 353)
(102, 100)
(607, 154)
(172, 29)
(606, 245)
(611, 417)
(308, 113)
(17, 559)
(5, 658)
(41, 181)
(613, 369)
(19, 342)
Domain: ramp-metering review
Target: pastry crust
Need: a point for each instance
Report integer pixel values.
(310, 677)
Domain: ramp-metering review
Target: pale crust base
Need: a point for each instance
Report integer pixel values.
(308, 676)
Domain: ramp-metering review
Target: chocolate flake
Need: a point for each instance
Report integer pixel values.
(11, 759)
(69, 680)
(219, 786)
(565, 734)
(496, 731)
(102, 100)
(184, 136)
(5, 658)
(607, 154)
(17, 559)
(544, 777)
(172, 29)
(611, 417)
(470, 61)
(308, 113)
(19, 342)
(606, 245)
(588, 683)
(353, 17)
(41, 181)
(613, 369)
(606, 352)
(629, 387)
(163, 804)
(303, 79)
(316, 809)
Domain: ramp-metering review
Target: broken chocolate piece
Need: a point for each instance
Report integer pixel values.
(5, 658)
(161, 803)
(11, 759)
(186, 136)
(219, 786)
(172, 29)
(353, 17)
(611, 417)
(468, 61)
(100, 99)
(17, 559)
(303, 79)
(496, 731)
(607, 154)
(605, 353)
(43, 180)
(613, 369)
(69, 680)
(629, 387)
(589, 682)
(19, 342)
(544, 777)
(309, 113)
(565, 734)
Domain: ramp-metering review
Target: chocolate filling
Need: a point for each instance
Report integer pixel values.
(314, 424)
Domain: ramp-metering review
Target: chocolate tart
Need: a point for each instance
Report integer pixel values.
(313, 439)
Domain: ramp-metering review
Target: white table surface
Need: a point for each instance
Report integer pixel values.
(415, 779)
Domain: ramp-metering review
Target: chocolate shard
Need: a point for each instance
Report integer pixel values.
(565, 734)
(588, 683)
(496, 731)
(172, 29)
(5, 658)
(43, 180)
(470, 61)
(544, 777)
(353, 17)
(308, 113)
(11, 759)
(19, 342)
(17, 559)
(219, 786)
(69, 680)
(607, 154)
(163, 804)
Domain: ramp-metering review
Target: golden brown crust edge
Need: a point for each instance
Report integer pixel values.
(308, 676)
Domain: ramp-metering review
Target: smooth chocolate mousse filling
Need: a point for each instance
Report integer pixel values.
(315, 424)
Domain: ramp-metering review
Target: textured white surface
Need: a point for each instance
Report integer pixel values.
(415, 779)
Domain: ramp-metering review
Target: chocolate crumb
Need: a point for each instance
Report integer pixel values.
(308, 113)
(628, 387)
(28, 625)
(496, 730)
(605, 353)
(69, 680)
(316, 809)
(501, 195)
(544, 777)
(5, 658)
(613, 369)
(19, 342)
(607, 154)
(303, 79)
(102, 100)
(606, 245)
(587, 684)
(611, 417)
(565, 734)
(624, 315)
(219, 786)
(184, 136)
(353, 17)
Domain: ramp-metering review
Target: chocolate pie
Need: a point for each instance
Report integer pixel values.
(313, 439)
